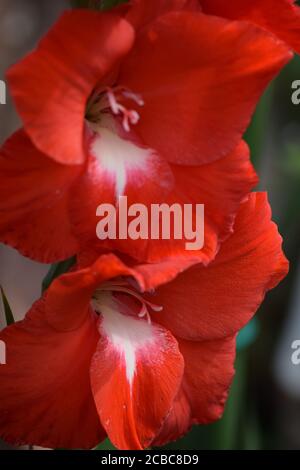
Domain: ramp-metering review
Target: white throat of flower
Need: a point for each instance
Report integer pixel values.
(100, 298)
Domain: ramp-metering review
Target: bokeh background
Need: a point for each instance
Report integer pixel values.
(263, 411)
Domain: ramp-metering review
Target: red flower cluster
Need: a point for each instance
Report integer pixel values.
(149, 101)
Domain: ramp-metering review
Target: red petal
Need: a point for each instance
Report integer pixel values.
(34, 198)
(207, 377)
(117, 167)
(200, 78)
(220, 186)
(281, 17)
(218, 300)
(52, 84)
(177, 423)
(135, 375)
(69, 296)
(209, 370)
(45, 393)
(143, 12)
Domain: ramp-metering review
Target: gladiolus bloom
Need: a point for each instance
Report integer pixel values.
(99, 355)
(149, 101)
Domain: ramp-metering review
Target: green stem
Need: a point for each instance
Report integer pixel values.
(90, 4)
(96, 4)
(57, 270)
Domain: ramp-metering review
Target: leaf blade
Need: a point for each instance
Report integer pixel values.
(56, 270)
(7, 309)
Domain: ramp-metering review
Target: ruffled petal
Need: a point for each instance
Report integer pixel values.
(144, 12)
(209, 370)
(200, 78)
(178, 422)
(69, 296)
(117, 167)
(45, 393)
(34, 199)
(218, 300)
(146, 182)
(51, 85)
(281, 17)
(208, 373)
(135, 375)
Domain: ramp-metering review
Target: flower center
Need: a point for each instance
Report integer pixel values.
(109, 101)
(111, 287)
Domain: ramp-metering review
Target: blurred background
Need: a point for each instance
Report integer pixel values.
(263, 411)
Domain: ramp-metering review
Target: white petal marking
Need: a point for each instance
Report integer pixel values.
(127, 334)
(118, 156)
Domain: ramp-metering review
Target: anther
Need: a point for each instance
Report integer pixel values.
(129, 116)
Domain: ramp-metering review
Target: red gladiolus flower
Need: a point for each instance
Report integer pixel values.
(99, 355)
(150, 102)
(281, 17)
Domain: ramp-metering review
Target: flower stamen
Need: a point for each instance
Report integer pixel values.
(130, 116)
(123, 288)
(108, 99)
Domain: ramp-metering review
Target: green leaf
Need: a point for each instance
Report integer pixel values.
(96, 4)
(7, 310)
(105, 445)
(56, 270)
(107, 4)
